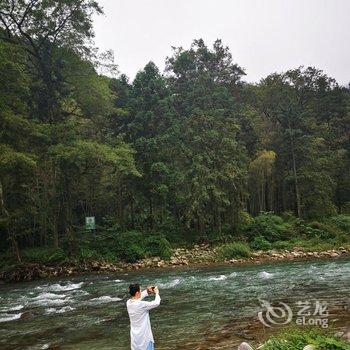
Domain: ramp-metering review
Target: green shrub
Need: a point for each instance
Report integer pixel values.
(158, 245)
(289, 216)
(314, 244)
(270, 226)
(233, 250)
(260, 243)
(282, 245)
(294, 339)
(57, 256)
(129, 246)
(44, 255)
(244, 220)
(110, 256)
(323, 230)
(342, 221)
(88, 254)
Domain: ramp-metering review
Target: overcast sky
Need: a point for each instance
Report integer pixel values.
(264, 36)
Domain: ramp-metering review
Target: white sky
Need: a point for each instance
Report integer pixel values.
(264, 36)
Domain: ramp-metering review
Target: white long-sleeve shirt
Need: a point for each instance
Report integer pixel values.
(140, 325)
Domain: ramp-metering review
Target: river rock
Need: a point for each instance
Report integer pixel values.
(161, 263)
(346, 335)
(309, 347)
(245, 346)
(25, 315)
(339, 334)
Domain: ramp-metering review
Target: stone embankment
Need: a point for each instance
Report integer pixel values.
(198, 255)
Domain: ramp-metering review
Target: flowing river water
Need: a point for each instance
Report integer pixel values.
(88, 312)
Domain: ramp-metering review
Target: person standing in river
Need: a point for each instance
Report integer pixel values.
(138, 310)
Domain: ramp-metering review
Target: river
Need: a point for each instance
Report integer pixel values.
(88, 312)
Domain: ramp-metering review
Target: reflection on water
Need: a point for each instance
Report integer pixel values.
(197, 304)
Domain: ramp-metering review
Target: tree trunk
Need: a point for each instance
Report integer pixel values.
(120, 214)
(12, 236)
(151, 218)
(132, 213)
(297, 194)
(55, 233)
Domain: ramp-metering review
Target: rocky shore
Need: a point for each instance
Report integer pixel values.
(249, 333)
(198, 255)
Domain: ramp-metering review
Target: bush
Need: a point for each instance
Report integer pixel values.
(316, 245)
(342, 221)
(87, 254)
(57, 256)
(323, 230)
(289, 216)
(233, 250)
(260, 243)
(110, 256)
(44, 255)
(158, 245)
(299, 338)
(283, 245)
(270, 226)
(129, 246)
(244, 220)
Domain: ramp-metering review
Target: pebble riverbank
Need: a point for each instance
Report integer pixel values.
(198, 255)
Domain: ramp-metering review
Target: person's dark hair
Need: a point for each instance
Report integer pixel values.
(134, 288)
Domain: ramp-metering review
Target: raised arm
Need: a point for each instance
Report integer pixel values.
(148, 305)
(144, 294)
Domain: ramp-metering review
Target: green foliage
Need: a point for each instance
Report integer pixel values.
(132, 245)
(260, 243)
(194, 153)
(269, 226)
(88, 254)
(311, 244)
(286, 232)
(341, 221)
(109, 245)
(323, 230)
(44, 255)
(294, 339)
(129, 246)
(334, 228)
(11, 160)
(233, 250)
(158, 245)
(244, 220)
(283, 245)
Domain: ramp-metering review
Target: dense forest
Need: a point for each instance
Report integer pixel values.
(193, 151)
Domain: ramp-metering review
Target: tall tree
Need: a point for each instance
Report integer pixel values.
(296, 102)
(47, 30)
